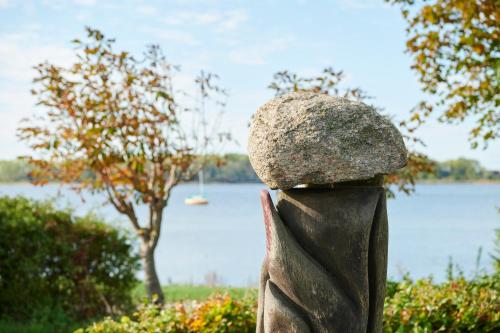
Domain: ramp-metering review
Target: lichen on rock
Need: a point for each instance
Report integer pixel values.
(310, 138)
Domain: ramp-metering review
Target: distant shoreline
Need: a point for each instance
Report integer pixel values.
(238, 170)
(446, 181)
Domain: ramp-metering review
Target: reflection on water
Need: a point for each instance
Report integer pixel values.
(226, 237)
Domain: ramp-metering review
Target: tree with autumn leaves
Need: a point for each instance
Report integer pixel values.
(112, 123)
(455, 50)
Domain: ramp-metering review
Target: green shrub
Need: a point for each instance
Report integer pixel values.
(52, 262)
(55, 323)
(454, 306)
(218, 314)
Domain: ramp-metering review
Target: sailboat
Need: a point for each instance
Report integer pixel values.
(197, 199)
(204, 83)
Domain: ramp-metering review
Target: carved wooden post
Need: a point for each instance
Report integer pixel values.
(326, 261)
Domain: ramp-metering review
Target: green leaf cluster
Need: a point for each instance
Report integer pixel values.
(221, 313)
(455, 49)
(50, 259)
(455, 306)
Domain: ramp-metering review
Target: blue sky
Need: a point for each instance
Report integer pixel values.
(245, 42)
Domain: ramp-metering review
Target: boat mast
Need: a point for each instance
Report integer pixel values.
(200, 179)
(203, 82)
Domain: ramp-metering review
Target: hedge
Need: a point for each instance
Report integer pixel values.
(454, 306)
(54, 263)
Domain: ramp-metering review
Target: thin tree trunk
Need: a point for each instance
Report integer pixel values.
(153, 286)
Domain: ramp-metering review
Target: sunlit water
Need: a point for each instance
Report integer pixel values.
(227, 236)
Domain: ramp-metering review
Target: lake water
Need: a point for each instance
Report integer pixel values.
(226, 237)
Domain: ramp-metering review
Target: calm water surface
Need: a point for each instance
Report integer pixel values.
(227, 236)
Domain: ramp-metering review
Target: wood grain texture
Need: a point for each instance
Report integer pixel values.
(326, 262)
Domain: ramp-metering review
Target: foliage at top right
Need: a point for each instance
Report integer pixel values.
(455, 49)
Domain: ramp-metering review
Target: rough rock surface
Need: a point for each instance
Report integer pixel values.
(308, 138)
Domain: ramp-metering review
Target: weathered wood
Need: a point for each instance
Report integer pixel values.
(326, 262)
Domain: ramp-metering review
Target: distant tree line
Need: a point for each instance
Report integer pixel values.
(461, 169)
(236, 168)
(14, 171)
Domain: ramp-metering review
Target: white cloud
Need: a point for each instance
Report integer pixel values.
(66, 4)
(53, 4)
(191, 18)
(147, 9)
(221, 21)
(85, 2)
(232, 20)
(257, 54)
(4, 3)
(361, 4)
(15, 103)
(19, 52)
(173, 35)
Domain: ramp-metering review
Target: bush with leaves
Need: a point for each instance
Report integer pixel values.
(50, 259)
(221, 314)
(454, 306)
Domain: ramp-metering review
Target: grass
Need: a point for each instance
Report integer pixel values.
(184, 292)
